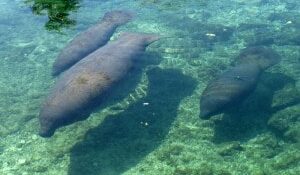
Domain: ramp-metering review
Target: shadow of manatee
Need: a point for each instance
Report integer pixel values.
(122, 140)
(250, 118)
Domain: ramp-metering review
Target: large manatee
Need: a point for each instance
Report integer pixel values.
(90, 79)
(90, 40)
(235, 84)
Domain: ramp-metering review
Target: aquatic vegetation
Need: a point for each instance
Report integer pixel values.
(57, 12)
(169, 5)
(286, 124)
(208, 33)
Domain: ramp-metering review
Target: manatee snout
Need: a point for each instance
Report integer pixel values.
(48, 124)
(57, 69)
(46, 132)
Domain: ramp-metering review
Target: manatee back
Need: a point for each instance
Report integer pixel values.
(68, 98)
(229, 88)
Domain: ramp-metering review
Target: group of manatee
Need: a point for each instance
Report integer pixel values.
(91, 64)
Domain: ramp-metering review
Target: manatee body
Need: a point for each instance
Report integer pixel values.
(229, 88)
(90, 79)
(234, 85)
(89, 40)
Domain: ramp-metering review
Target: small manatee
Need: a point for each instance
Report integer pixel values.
(90, 40)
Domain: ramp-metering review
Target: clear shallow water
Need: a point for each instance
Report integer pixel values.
(262, 137)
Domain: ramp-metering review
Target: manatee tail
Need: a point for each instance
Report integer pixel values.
(263, 56)
(118, 17)
(148, 38)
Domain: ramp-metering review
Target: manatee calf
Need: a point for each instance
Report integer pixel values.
(235, 84)
(90, 79)
(90, 40)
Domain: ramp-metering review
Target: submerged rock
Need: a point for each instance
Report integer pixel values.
(235, 84)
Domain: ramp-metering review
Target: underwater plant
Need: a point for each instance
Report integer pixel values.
(57, 11)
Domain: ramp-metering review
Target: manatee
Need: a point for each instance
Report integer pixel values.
(90, 40)
(89, 79)
(234, 85)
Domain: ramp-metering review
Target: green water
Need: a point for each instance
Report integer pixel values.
(261, 137)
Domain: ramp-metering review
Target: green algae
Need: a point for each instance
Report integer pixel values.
(57, 11)
(292, 158)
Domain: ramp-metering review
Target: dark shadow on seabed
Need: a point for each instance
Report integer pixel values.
(122, 140)
(57, 11)
(251, 117)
